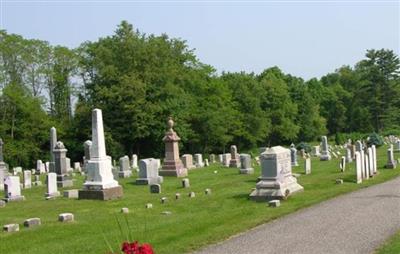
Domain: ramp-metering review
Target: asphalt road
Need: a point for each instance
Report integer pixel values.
(357, 222)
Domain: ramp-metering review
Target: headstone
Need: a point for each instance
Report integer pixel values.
(32, 222)
(198, 160)
(192, 194)
(245, 164)
(276, 181)
(220, 158)
(53, 142)
(185, 183)
(235, 160)
(391, 163)
(226, 158)
(40, 167)
(155, 188)
(124, 167)
(187, 160)
(134, 161)
(52, 188)
(307, 165)
(148, 172)
(68, 161)
(100, 183)
(87, 146)
(77, 167)
(173, 165)
(339, 181)
(27, 179)
(370, 162)
(3, 166)
(66, 217)
(177, 195)
(325, 155)
(349, 157)
(212, 158)
(274, 203)
(342, 164)
(37, 181)
(315, 151)
(12, 189)
(366, 166)
(359, 148)
(71, 194)
(17, 170)
(149, 205)
(61, 165)
(358, 167)
(293, 155)
(206, 163)
(163, 200)
(9, 228)
(207, 191)
(124, 210)
(375, 164)
(397, 146)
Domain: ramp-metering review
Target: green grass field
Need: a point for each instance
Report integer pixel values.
(392, 246)
(194, 222)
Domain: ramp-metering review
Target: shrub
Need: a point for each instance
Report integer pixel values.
(305, 146)
(375, 139)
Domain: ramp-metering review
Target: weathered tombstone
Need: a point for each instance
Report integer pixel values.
(198, 160)
(370, 162)
(315, 151)
(87, 146)
(155, 188)
(366, 166)
(148, 172)
(359, 148)
(134, 161)
(100, 183)
(61, 166)
(32, 222)
(391, 163)
(37, 181)
(71, 194)
(375, 164)
(53, 142)
(66, 217)
(276, 181)
(40, 167)
(212, 158)
(226, 158)
(325, 155)
(245, 164)
(3, 166)
(397, 146)
(220, 158)
(191, 194)
(27, 179)
(185, 183)
(187, 160)
(124, 167)
(293, 155)
(349, 157)
(206, 163)
(234, 162)
(17, 170)
(9, 228)
(77, 167)
(12, 189)
(52, 188)
(68, 162)
(172, 165)
(358, 167)
(342, 164)
(307, 165)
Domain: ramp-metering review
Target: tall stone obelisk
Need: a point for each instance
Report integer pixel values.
(100, 183)
(53, 142)
(172, 165)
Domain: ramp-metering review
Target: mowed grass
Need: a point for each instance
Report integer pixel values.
(392, 246)
(194, 222)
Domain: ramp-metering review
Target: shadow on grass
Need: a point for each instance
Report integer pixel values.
(243, 196)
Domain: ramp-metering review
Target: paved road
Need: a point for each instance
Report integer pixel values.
(357, 222)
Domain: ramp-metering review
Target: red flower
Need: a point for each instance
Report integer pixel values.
(145, 249)
(134, 248)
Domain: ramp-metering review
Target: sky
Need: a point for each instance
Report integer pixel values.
(304, 38)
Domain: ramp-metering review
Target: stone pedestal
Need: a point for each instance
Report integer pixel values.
(234, 162)
(172, 165)
(105, 194)
(276, 181)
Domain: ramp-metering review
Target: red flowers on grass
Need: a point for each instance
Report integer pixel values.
(135, 248)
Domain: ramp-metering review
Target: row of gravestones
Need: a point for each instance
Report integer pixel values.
(34, 222)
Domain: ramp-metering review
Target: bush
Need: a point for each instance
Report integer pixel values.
(305, 146)
(375, 139)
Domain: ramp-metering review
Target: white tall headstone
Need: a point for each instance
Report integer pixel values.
(391, 163)
(349, 157)
(100, 183)
(371, 161)
(198, 160)
(12, 189)
(53, 142)
(124, 167)
(134, 161)
(342, 163)
(375, 164)
(307, 165)
(27, 179)
(358, 167)
(366, 166)
(359, 148)
(325, 155)
(293, 155)
(52, 189)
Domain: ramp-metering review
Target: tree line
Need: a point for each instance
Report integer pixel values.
(139, 80)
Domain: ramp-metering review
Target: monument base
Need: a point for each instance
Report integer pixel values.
(325, 157)
(234, 163)
(391, 165)
(149, 181)
(15, 198)
(268, 190)
(52, 195)
(105, 194)
(173, 168)
(246, 171)
(124, 174)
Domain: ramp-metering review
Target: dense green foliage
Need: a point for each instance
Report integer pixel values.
(139, 80)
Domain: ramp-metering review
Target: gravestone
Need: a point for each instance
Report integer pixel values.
(52, 187)
(366, 166)
(134, 161)
(359, 148)
(3, 166)
(391, 163)
(342, 164)
(187, 160)
(100, 183)
(226, 158)
(358, 167)
(212, 158)
(155, 188)
(371, 161)
(87, 146)
(17, 170)
(12, 189)
(53, 142)
(245, 164)
(40, 167)
(185, 183)
(234, 162)
(397, 146)
(198, 160)
(68, 162)
(71, 194)
(32, 222)
(276, 181)
(148, 172)
(375, 164)
(220, 158)
(124, 167)
(325, 155)
(293, 155)
(349, 157)
(307, 165)
(66, 217)
(315, 151)
(172, 165)
(77, 167)
(27, 179)
(61, 166)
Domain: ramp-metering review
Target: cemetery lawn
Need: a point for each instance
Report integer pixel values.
(392, 246)
(194, 222)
